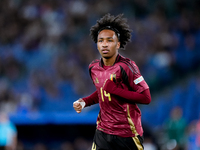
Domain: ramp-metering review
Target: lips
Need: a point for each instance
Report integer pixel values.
(104, 51)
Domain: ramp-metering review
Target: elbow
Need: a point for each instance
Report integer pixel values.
(148, 97)
(147, 100)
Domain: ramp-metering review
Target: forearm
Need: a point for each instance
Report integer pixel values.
(142, 98)
(91, 99)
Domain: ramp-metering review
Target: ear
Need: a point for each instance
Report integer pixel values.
(118, 45)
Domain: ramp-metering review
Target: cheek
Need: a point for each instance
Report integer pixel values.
(98, 47)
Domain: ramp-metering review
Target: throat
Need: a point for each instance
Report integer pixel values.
(108, 61)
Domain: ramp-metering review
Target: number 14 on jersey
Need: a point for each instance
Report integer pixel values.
(103, 93)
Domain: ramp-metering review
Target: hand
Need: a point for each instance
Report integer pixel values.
(78, 106)
(110, 86)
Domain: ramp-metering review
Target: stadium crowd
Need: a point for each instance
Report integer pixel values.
(41, 41)
(45, 48)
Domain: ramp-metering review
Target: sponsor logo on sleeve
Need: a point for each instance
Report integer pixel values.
(138, 80)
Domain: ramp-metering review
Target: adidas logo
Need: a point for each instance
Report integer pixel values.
(96, 80)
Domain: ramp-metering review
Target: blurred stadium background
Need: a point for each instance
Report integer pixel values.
(45, 50)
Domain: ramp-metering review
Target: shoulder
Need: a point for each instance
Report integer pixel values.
(128, 64)
(94, 63)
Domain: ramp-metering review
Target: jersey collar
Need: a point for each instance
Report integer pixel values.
(116, 60)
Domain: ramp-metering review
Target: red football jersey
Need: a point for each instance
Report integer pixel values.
(117, 116)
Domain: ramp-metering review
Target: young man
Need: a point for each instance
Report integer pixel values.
(119, 87)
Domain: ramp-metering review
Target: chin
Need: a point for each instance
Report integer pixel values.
(106, 57)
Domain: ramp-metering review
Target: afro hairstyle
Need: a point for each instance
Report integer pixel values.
(116, 22)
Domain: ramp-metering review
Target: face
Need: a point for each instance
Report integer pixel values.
(108, 44)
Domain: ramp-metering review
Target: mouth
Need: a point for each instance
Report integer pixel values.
(105, 51)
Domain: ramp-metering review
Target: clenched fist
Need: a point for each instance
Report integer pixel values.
(79, 105)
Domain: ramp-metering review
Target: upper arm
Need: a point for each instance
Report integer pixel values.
(132, 77)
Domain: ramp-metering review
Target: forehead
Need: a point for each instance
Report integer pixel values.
(106, 33)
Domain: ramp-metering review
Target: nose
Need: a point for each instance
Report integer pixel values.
(105, 44)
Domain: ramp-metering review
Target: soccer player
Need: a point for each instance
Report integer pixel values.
(119, 88)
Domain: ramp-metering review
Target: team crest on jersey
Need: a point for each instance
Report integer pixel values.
(113, 77)
(96, 80)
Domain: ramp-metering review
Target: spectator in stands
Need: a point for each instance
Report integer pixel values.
(8, 133)
(40, 146)
(175, 128)
(7, 98)
(193, 139)
(66, 146)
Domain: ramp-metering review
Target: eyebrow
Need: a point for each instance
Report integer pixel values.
(106, 38)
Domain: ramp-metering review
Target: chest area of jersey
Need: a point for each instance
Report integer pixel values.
(99, 75)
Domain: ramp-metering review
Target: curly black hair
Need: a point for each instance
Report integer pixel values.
(117, 22)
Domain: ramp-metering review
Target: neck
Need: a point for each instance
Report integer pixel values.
(109, 61)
